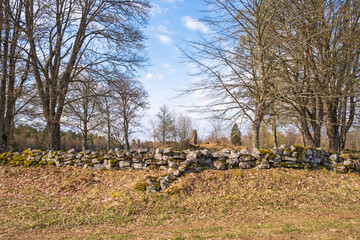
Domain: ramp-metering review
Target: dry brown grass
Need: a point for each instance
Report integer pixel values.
(71, 203)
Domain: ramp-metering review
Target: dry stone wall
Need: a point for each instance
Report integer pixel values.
(176, 163)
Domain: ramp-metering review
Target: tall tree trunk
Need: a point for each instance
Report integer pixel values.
(256, 133)
(274, 130)
(54, 134)
(126, 134)
(108, 134)
(85, 139)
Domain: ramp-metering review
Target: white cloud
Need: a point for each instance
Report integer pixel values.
(164, 39)
(157, 10)
(169, 68)
(157, 76)
(163, 29)
(194, 24)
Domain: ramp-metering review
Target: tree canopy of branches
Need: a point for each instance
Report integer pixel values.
(82, 109)
(131, 100)
(14, 69)
(305, 57)
(63, 34)
(237, 60)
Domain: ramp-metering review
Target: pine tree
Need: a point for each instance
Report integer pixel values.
(235, 135)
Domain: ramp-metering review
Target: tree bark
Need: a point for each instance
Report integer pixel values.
(54, 134)
(256, 134)
(274, 130)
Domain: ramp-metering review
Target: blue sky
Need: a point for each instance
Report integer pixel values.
(172, 22)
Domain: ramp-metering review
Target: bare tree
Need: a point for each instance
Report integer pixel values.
(82, 110)
(13, 67)
(62, 32)
(164, 128)
(183, 125)
(131, 100)
(321, 66)
(237, 60)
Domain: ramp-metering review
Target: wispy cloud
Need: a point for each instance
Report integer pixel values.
(157, 10)
(157, 76)
(163, 29)
(194, 24)
(164, 39)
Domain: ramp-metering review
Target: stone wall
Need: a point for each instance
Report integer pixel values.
(177, 163)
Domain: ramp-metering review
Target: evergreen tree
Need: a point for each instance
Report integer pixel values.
(235, 135)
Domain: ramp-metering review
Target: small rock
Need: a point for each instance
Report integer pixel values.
(205, 152)
(219, 165)
(244, 151)
(173, 164)
(163, 184)
(158, 150)
(168, 150)
(348, 162)
(341, 169)
(143, 150)
(245, 165)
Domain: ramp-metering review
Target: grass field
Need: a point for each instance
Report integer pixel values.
(71, 203)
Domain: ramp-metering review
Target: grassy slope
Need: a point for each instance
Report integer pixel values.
(70, 203)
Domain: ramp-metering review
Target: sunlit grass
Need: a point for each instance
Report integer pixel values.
(250, 204)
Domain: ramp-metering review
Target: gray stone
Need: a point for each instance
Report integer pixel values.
(245, 165)
(277, 151)
(256, 153)
(139, 165)
(219, 165)
(291, 159)
(158, 150)
(348, 162)
(168, 150)
(163, 184)
(204, 161)
(124, 164)
(264, 164)
(246, 158)
(174, 172)
(232, 161)
(205, 152)
(158, 156)
(234, 155)
(98, 166)
(244, 151)
(284, 146)
(71, 150)
(334, 157)
(182, 168)
(143, 150)
(173, 164)
(277, 158)
(341, 169)
(137, 155)
(309, 152)
(193, 155)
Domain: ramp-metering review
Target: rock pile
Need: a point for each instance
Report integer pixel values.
(176, 163)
